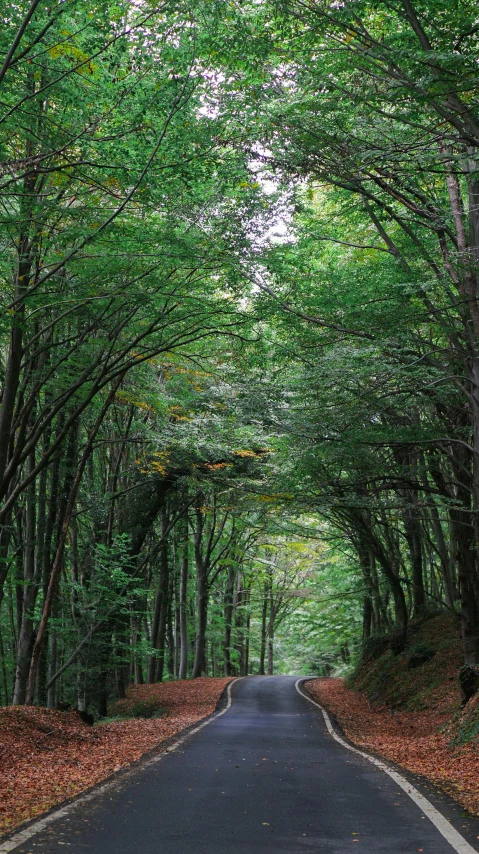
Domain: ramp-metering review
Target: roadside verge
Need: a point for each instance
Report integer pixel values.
(50, 758)
(348, 716)
(417, 741)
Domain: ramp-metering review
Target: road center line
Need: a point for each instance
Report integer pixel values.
(24, 835)
(458, 843)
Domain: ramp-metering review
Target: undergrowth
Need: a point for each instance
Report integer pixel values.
(144, 708)
(422, 676)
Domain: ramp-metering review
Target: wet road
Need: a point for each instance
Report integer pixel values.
(264, 777)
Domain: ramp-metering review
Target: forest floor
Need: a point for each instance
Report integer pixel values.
(48, 756)
(412, 715)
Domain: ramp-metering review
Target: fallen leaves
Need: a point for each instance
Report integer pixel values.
(419, 741)
(47, 756)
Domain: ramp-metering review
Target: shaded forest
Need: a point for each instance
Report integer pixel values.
(239, 338)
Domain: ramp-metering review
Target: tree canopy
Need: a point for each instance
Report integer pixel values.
(239, 337)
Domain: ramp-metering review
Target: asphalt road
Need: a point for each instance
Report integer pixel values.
(264, 777)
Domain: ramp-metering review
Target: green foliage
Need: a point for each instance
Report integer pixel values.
(388, 678)
(146, 709)
(420, 655)
(468, 725)
(374, 647)
(239, 336)
(320, 634)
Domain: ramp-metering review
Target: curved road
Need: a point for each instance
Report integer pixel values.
(264, 777)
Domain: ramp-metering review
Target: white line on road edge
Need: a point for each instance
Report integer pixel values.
(24, 835)
(453, 837)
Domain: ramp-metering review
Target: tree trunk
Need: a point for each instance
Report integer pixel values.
(155, 625)
(51, 694)
(228, 617)
(202, 606)
(464, 536)
(183, 608)
(102, 694)
(15, 352)
(400, 606)
(201, 598)
(246, 646)
(58, 562)
(6, 698)
(444, 557)
(158, 629)
(271, 620)
(469, 572)
(413, 536)
(39, 572)
(136, 637)
(264, 614)
(170, 641)
(30, 590)
(364, 558)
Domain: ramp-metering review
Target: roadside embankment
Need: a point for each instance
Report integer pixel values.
(406, 707)
(48, 756)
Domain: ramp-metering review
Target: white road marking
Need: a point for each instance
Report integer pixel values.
(458, 843)
(24, 835)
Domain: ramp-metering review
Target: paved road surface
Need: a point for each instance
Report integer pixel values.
(264, 777)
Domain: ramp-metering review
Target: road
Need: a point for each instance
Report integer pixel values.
(264, 777)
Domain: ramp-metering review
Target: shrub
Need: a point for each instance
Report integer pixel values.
(374, 647)
(397, 641)
(146, 709)
(468, 723)
(419, 656)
